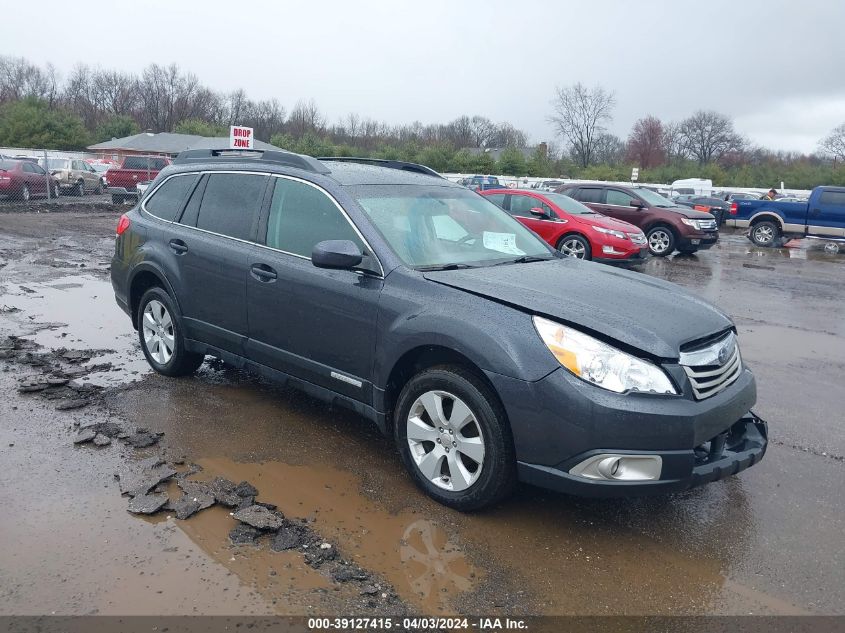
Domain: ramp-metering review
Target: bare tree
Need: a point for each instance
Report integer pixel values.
(709, 135)
(506, 135)
(834, 143)
(305, 117)
(609, 149)
(674, 144)
(580, 115)
(115, 92)
(20, 79)
(645, 143)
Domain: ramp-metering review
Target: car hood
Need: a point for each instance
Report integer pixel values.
(607, 222)
(640, 312)
(689, 212)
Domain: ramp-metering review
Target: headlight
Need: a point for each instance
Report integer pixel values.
(618, 234)
(692, 223)
(599, 363)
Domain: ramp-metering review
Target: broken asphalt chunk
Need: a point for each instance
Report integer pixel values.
(85, 435)
(102, 440)
(142, 440)
(140, 477)
(260, 517)
(246, 489)
(289, 536)
(147, 503)
(243, 534)
(72, 403)
(224, 492)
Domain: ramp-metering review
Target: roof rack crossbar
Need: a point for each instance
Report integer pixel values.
(381, 162)
(279, 157)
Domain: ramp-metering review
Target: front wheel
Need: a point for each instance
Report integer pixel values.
(764, 233)
(162, 340)
(575, 246)
(80, 189)
(56, 191)
(25, 194)
(454, 439)
(661, 241)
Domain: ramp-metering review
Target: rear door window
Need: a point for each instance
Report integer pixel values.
(301, 216)
(167, 200)
(230, 204)
(590, 195)
(498, 199)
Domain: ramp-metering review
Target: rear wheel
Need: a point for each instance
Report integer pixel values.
(162, 340)
(575, 246)
(80, 189)
(661, 241)
(454, 439)
(25, 193)
(764, 233)
(56, 191)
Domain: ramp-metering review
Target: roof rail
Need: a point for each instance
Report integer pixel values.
(279, 157)
(390, 164)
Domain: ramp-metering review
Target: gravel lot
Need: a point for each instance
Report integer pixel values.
(769, 540)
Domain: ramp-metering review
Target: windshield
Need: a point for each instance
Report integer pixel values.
(654, 199)
(430, 226)
(58, 163)
(569, 205)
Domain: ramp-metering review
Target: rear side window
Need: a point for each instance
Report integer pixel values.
(833, 198)
(230, 204)
(590, 195)
(301, 216)
(167, 200)
(498, 199)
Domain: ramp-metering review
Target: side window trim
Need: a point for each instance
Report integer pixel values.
(261, 240)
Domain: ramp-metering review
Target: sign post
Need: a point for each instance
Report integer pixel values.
(635, 174)
(240, 137)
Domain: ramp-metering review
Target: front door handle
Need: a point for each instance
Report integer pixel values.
(816, 212)
(178, 246)
(262, 272)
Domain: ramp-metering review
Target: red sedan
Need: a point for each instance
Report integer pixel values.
(572, 228)
(23, 179)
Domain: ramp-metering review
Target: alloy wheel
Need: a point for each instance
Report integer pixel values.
(445, 440)
(159, 337)
(764, 234)
(573, 248)
(25, 194)
(659, 240)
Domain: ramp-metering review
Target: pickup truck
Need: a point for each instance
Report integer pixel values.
(123, 181)
(822, 217)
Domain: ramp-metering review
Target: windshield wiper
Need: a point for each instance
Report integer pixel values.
(451, 266)
(525, 259)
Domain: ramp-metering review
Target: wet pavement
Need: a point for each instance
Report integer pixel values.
(769, 540)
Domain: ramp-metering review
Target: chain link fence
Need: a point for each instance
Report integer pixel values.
(51, 175)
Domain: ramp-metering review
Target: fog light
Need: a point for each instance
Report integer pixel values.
(611, 467)
(609, 250)
(696, 241)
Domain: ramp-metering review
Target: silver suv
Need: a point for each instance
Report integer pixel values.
(75, 176)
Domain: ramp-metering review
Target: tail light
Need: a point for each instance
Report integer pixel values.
(122, 224)
(734, 208)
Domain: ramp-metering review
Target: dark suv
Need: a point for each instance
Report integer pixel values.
(488, 356)
(667, 226)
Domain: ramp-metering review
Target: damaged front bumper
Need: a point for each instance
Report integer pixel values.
(616, 473)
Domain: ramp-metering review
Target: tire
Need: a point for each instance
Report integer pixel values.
(155, 309)
(99, 189)
(661, 240)
(56, 191)
(574, 245)
(115, 199)
(26, 196)
(764, 233)
(80, 189)
(453, 477)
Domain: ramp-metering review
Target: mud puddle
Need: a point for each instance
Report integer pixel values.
(415, 554)
(78, 312)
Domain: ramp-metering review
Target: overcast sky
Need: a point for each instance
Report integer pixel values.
(777, 67)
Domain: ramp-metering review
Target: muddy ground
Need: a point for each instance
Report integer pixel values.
(769, 540)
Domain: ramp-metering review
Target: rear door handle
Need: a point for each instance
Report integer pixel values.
(262, 272)
(178, 246)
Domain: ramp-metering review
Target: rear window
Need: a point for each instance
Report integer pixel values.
(835, 198)
(142, 162)
(167, 200)
(230, 204)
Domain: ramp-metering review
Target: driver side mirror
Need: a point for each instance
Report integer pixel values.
(540, 213)
(637, 204)
(336, 254)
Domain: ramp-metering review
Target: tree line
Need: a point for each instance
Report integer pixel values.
(38, 108)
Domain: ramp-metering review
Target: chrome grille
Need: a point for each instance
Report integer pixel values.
(707, 225)
(712, 368)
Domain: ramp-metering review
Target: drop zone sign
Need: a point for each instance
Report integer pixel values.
(240, 137)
